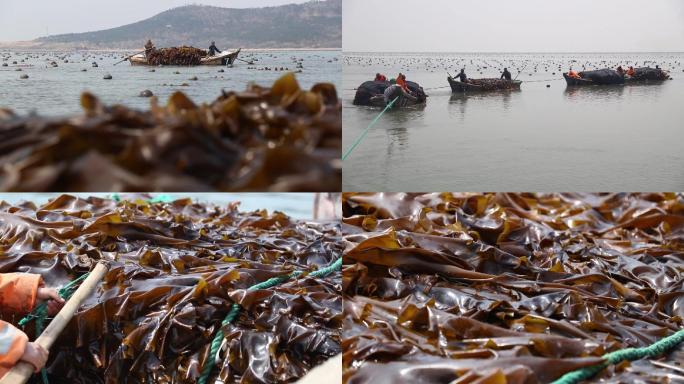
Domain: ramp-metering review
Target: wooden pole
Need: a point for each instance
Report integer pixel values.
(137, 53)
(22, 371)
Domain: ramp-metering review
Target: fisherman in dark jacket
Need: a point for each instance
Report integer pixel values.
(213, 50)
(462, 76)
(506, 75)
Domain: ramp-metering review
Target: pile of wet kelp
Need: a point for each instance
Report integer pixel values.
(176, 56)
(176, 269)
(509, 288)
(280, 138)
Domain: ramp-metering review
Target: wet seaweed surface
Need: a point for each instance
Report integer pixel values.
(509, 288)
(281, 138)
(175, 270)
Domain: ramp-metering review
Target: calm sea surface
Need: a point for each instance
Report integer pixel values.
(545, 137)
(56, 91)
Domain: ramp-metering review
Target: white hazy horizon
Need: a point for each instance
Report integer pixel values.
(23, 20)
(505, 26)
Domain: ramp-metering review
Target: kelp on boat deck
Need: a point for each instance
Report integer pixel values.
(281, 138)
(175, 271)
(508, 288)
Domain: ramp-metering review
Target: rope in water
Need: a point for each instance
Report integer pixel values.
(658, 348)
(40, 312)
(368, 128)
(235, 310)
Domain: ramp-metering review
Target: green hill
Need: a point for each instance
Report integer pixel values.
(316, 24)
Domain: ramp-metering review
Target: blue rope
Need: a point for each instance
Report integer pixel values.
(363, 134)
(235, 310)
(628, 354)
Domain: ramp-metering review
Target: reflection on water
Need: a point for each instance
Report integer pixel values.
(545, 136)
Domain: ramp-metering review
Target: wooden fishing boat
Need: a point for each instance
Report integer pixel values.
(642, 76)
(371, 93)
(223, 58)
(576, 81)
(485, 85)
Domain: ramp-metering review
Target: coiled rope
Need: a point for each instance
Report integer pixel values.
(235, 310)
(40, 312)
(630, 354)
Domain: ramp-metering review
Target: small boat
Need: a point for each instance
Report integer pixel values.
(483, 85)
(371, 94)
(576, 81)
(612, 77)
(223, 58)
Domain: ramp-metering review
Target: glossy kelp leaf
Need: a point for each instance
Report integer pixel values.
(176, 269)
(280, 138)
(508, 287)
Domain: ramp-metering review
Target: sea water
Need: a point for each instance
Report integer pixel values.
(55, 91)
(545, 137)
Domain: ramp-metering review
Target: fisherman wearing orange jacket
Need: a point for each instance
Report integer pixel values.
(401, 81)
(19, 294)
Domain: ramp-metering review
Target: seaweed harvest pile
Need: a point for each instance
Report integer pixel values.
(490, 84)
(281, 138)
(175, 270)
(510, 288)
(176, 56)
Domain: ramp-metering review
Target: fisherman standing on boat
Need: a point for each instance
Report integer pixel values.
(631, 72)
(380, 77)
(462, 76)
(506, 75)
(149, 48)
(213, 50)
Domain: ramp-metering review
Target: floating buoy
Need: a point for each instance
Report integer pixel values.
(221, 70)
(152, 70)
(548, 85)
(194, 78)
(24, 76)
(146, 93)
(107, 76)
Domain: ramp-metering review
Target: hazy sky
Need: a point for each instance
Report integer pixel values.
(28, 19)
(512, 25)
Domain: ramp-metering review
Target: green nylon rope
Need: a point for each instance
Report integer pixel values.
(40, 312)
(656, 349)
(363, 134)
(235, 310)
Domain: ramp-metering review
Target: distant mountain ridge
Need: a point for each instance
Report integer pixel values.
(315, 24)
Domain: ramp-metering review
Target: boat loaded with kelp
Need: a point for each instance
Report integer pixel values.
(608, 76)
(371, 93)
(183, 56)
(483, 85)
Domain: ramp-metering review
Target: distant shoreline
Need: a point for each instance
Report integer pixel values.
(34, 47)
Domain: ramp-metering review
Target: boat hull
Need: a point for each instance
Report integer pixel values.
(225, 58)
(371, 94)
(657, 79)
(500, 85)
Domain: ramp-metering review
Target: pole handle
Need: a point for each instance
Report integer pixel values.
(22, 371)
